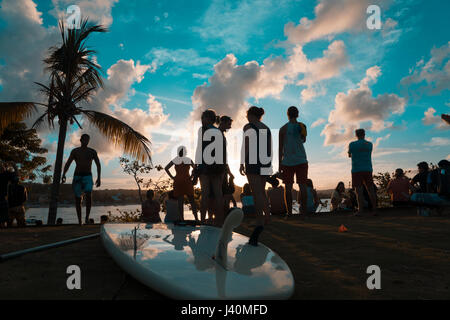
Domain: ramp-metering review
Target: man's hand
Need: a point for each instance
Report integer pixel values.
(242, 170)
(63, 179)
(97, 183)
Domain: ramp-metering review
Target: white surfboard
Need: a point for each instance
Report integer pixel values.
(198, 262)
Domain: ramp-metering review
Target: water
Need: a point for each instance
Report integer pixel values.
(69, 215)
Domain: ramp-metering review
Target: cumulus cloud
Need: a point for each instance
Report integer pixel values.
(431, 119)
(358, 106)
(110, 100)
(177, 58)
(318, 122)
(231, 84)
(331, 18)
(433, 76)
(438, 141)
(98, 11)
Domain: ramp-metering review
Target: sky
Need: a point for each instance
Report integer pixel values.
(164, 62)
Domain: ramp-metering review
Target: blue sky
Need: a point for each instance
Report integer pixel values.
(164, 62)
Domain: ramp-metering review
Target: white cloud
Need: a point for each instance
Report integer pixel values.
(431, 77)
(110, 100)
(331, 18)
(432, 119)
(318, 122)
(358, 106)
(178, 58)
(438, 141)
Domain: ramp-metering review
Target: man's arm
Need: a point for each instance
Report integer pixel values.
(281, 135)
(99, 169)
(167, 169)
(67, 166)
(349, 153)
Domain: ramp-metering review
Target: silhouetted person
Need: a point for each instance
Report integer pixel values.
(182, 181)
(292, 159)
(150, 209)
(5, 178)
(59, 221)
(361, 153)
(17, 196)
(399, 188)
(420, 179)
(82, 179)
(257, 166)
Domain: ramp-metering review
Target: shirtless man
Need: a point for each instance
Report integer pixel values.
(82, 178)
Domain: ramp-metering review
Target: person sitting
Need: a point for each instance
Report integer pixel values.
(442, 197)
(103, 219)
(399, 188)
(248, 202)
(276, 198)
(172, 213)
(313, 199)
(419, 181)
(150, 209)
(17, 196)
(339, 201)
(59, 221)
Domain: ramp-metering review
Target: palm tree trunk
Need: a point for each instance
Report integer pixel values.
(53, 207)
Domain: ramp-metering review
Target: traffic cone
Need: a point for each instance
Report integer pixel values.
(342, 228)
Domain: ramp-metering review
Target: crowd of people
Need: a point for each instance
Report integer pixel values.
(428, 187)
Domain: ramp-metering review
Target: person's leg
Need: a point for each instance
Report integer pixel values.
(360, 198)
(193, 206)
(216, 184)
(303, 199)
(372, 196)
(88, 197)
(206, 189)
(288, 197)
(257, 184)
(301, 172)
(78, 208)
(181, 207)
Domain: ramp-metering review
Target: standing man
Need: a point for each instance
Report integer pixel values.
(292, 159)
(6, 177)
(361, 153)
(82, 178)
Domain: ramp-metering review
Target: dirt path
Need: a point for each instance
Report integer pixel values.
(412, 252)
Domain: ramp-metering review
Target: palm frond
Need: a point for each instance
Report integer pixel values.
(14, 112)
(121, 134)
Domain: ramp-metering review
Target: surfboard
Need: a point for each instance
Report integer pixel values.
(183, 261)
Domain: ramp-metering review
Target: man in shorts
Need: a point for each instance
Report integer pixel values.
(361, 153)
(292, 159)
(82, 179)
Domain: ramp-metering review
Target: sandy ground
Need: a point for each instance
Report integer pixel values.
(412, 252)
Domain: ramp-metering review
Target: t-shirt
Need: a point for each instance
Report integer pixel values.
(150, 211)
(247, 201)
(399, 189)
(294, 151)
(421, 179)
(361, 153)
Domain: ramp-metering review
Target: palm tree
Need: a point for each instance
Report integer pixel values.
(74, 77)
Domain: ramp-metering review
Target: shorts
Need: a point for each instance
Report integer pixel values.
(300, 170)
(82, 184)
(17, 213)
(362, 178)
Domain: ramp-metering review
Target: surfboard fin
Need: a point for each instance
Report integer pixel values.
(232, 221)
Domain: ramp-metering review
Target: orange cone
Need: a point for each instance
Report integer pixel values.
(342, 228)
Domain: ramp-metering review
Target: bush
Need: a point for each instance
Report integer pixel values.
(125, 216)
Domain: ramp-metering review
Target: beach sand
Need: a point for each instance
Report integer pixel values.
(412, 252)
